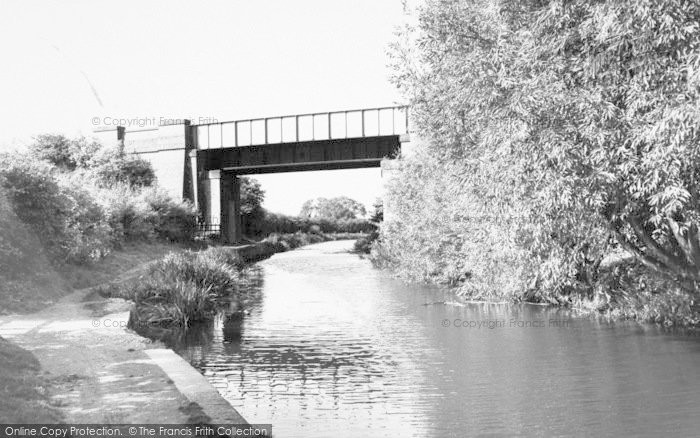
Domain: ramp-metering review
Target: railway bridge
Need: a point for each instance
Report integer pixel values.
(203, 162)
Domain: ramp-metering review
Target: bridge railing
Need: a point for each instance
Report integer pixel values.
(368, 122)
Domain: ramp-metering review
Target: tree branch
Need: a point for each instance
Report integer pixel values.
(646, 260)
(683, 241)
(672, 262)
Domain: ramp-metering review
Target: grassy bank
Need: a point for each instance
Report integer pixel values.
(23, 397)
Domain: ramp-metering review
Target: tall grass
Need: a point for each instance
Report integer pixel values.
(182, 288)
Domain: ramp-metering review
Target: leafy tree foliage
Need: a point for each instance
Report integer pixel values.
(112, 166)
(580, 118)
(339, 208)
(252, 212)
(252, 195)
(67, 220)
(62, 152)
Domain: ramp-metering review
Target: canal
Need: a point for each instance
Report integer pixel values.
(333, 347)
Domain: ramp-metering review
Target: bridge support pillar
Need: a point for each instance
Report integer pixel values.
(230, 198)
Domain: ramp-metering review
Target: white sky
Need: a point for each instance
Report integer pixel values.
(222, 59)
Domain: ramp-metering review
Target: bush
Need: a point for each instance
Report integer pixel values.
(69, 223)
(64, 153)
(174, 221)
(130, 218)
(88, 231)
(363, 245)
(182, 288)
(283, 224)
(285, 242)
(147, 214)
(111, 166)
(447, 233)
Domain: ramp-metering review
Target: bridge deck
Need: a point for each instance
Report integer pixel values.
(335, 125)
(349, 153)
(318, 141)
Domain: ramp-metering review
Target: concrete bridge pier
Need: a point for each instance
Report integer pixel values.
(218, 201)
(230, 208)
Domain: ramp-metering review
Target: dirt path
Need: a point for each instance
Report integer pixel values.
(98, 369)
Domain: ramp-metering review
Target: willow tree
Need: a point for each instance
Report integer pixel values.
(585, 112)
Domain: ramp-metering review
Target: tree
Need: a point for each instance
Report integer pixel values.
(339, 208)
(252, 195)
(112, 165)
(62, 152)
(252, 212)
(579, 116)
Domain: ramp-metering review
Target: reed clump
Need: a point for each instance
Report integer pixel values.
(182, 288)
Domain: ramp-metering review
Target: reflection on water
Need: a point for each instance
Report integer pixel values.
(330, 346)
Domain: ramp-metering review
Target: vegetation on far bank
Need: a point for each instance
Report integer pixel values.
(561, 156)
(335, 215)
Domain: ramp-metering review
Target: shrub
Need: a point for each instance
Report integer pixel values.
(364, 244)
(69, 223)
(130, 218)
(147, 214)
(285, 242)
(448, 233)
(111, 166)
(174, 221)
(182, 288)
(62, 152)
(283, 224)
(89, 236)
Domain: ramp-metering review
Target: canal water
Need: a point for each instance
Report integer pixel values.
(332, 347)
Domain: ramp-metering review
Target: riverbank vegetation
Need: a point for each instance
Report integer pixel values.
(191, 286)
(182, 288)
(560, 162)
(65, 205)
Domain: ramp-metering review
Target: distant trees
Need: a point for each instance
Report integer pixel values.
(62, 152)
(339, 208)
(112, 166)
(252, 211)
(109, 164)
(575, 124)
(252, 195)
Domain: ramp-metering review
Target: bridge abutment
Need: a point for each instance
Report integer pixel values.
(166, 147)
